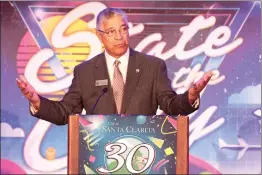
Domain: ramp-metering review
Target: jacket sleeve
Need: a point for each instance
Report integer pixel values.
(169, 101)
(57, 112)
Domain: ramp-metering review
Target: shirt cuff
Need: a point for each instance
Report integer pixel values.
(196, 103)
(32, 109)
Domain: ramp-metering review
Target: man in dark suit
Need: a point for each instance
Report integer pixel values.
(127, 81)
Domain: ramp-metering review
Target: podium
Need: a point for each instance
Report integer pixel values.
(114, 144)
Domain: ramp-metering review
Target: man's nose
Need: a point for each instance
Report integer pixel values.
(118, 35)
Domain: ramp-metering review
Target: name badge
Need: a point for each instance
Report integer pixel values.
(102, 82)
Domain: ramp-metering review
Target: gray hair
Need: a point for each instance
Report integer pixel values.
(108, 13)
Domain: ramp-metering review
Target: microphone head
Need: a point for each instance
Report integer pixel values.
(105, 90)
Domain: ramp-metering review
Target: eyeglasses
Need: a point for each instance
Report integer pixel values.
(112, 32)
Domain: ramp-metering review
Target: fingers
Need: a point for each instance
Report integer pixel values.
(205, 79)
(28, 91)
(23, 79)
(197, 87)
(24, 86)
(18, 80)
(21, 84)
(32, 92)
(208, 75)
(201, 84)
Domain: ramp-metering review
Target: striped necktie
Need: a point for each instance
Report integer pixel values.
(118, 86)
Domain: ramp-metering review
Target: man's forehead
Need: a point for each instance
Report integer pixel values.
(114, 22)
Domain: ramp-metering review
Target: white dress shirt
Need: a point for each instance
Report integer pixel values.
(122, 66)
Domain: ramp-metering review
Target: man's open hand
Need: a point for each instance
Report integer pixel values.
(195, 90)
(28, 91)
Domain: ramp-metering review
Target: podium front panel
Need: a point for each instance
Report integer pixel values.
(116, 144)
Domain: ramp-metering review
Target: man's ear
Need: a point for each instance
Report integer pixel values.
(98, 34)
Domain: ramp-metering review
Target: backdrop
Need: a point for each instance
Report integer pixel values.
(45, 40)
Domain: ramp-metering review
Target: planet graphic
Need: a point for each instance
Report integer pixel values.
(141, 119)
(139, 159)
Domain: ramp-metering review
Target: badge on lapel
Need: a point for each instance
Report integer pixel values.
(102, 82)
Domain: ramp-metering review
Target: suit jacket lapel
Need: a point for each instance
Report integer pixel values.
(101, 73)
(133, 74)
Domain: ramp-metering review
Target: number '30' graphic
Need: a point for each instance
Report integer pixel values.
(116, 155)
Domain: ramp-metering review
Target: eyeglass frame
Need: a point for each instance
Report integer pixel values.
(114, 31)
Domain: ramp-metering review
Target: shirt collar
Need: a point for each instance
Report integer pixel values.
(123, 59)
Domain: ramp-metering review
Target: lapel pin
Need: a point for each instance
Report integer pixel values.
(137, 70)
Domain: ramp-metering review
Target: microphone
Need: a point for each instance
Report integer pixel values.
(104, 91)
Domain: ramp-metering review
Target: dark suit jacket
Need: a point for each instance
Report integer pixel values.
(143, 92)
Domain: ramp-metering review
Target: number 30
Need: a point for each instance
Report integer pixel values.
(120, 160)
